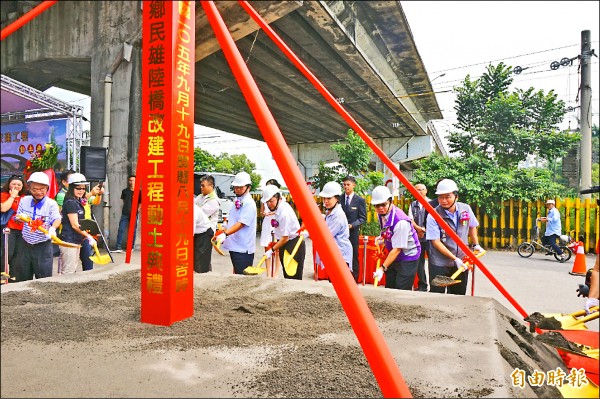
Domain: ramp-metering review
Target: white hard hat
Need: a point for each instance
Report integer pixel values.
(446, 186)
(380, 195)
(241, 179)
(39, 177)
(550, 201)
(331, 189)
(268, 192)
(77, 178)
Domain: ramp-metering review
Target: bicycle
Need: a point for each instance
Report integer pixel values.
(527, 248)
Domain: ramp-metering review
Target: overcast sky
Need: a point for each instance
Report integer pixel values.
(456, 38)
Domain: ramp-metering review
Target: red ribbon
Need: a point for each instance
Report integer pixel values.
(381, 253)
(35, 224)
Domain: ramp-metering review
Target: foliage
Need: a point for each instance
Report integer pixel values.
(44, 159)
(367, 183)
(225, 163)
(507, 126)
(370, 228)
(481, 182)
(327, 174)
(354, 156)
(203, 160)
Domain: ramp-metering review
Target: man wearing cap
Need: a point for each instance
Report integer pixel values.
(43, 212)
(445, 256)
(553, 229)
(285, 226)
(401, 241)
(239, 237)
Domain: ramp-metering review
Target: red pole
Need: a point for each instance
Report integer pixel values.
(388, 162)
(382, 363)
(25, 18)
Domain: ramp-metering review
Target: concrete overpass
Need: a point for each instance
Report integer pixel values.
(363, 52)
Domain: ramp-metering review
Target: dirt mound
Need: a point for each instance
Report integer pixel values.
(291, 341)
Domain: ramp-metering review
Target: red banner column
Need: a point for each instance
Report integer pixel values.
(166, 161)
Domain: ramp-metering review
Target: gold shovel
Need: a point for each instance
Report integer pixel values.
(54, 238)
(445, 281)
(254, 270)
(100, 259)
(289, 263)
(216, 245)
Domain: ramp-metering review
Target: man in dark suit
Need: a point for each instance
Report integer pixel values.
(355, 209)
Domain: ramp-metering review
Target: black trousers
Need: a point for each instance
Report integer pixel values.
(203, 251)
(37, 261)
(401, 275)
(355, 244)
(299, 257)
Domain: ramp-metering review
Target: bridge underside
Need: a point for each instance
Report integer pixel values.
(363, 52)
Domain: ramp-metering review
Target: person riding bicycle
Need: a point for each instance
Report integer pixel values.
(553, 229)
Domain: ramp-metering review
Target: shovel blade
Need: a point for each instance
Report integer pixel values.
(289, 264)
(100, 259)
(444, 281)
(217, 247)
(254, 270)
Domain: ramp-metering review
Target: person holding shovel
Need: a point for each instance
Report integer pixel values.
(401, 241)
(445, 256)
(287, 233)
(208, 203)
(43, 212)
(336, 221)
(239, 238)
(72, 212)
(267, 231)
(13, 191)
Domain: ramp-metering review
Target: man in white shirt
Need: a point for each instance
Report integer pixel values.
(208, 203)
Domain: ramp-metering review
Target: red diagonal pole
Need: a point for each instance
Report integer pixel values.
(25, 18)
(377, 352)
(388, 162)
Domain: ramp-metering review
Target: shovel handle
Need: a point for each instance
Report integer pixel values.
(375, 279)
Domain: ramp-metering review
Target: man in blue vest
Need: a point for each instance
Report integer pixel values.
(445, 256)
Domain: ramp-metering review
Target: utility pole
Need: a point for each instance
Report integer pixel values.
(586, 116)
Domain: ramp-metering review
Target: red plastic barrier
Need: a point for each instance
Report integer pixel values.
(371, 263)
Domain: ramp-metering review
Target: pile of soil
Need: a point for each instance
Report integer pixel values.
(243, 313)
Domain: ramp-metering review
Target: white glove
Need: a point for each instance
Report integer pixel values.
(269, 253)
(92, 240)
(305, 234)
(378, 274)
(459, 263)
(221, 238)
(51, 232)
(379, 240)
(478, 248)
(590, 303)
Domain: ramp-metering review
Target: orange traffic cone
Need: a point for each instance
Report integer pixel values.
(579, 265)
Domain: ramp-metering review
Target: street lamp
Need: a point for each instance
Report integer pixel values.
(439, 76)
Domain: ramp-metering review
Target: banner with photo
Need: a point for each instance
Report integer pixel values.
(20, 141)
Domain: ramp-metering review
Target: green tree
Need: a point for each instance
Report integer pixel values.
(354, 156)
(203, 161)
(508, 126)
(225, 163)
(483, 183)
